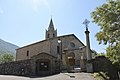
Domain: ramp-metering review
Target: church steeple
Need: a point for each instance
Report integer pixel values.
(51, 32)
(51, 26)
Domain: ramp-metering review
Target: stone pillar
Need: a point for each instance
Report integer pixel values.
(89, 65)
(89, 56)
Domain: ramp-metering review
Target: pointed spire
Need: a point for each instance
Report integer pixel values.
(51, 32)
(51, 26)
(51, 22)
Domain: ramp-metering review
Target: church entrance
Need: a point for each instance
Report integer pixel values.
(42, 67)
(70, 61)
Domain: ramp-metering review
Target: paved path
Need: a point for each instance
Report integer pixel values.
(61, 76)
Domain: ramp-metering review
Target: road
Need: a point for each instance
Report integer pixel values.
(61, 76)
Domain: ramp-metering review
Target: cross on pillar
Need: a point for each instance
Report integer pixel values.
(86, 22)
(89, 65)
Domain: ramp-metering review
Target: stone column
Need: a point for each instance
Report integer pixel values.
(89, 55)
(89, 65)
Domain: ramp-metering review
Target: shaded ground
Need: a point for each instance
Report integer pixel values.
(61, 76)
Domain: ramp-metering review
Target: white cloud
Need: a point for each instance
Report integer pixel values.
(1, 11)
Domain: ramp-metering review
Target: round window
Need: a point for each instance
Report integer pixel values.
(72, 44)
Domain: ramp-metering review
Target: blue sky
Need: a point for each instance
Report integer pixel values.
(24, 22)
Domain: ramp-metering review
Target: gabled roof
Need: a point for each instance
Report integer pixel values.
(43, 53)
(52, 39)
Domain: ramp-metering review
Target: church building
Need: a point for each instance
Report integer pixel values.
(54, 54)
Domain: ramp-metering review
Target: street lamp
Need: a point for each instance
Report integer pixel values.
(60, 47)
(60, 53)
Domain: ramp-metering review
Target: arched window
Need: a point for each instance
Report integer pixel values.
(27, 53)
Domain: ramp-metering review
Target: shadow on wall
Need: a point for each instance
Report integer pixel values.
(102, 64)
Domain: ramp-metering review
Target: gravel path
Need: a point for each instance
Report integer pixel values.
(61, 76)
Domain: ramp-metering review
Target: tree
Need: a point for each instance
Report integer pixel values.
(113, 53)
(6, 57)
(107, 16)
(95, 54)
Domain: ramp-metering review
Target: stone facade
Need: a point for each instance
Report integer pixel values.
(70, 44)
(66, 52)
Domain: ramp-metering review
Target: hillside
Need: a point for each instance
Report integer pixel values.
(6, 47)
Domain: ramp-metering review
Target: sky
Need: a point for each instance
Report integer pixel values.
(23, 22)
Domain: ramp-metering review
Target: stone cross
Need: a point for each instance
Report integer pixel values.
(86, 22)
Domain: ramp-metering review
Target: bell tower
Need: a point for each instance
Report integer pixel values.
(51, 32)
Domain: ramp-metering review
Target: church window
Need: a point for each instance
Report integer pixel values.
(27, 53)
(72, 44)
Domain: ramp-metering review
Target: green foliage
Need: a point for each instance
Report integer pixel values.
(101, 54)
(95, 54)
(113, 53)
(100, 76)
(6, 57)
(107, 16)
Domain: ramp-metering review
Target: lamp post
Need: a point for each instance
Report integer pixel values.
(89, 55)
(60, 47)
(60, 53)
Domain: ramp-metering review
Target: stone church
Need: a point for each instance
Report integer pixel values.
(54, 54)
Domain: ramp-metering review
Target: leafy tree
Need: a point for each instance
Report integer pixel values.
(107, 16)
(95, 53)
(113, 53)
(6, 57)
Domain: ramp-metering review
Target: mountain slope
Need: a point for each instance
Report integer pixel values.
(6, 47)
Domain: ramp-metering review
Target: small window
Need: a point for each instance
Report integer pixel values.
(27, 53)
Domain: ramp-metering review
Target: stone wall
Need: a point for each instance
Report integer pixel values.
(29, 67)
(102, 64)
(22, 68)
